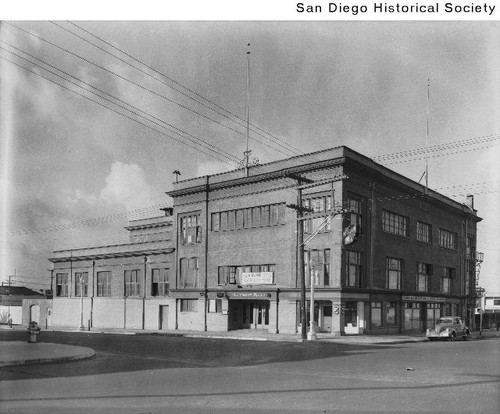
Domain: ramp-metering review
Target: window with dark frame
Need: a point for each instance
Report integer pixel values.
(104, 283)
(424, 232)
(62, 284)
(353, 268)
(355, 213)
(394, 273)
(446, 277)
(394, 223)
(232, 274)
(424, 271)
(447, 239)
(132, 282)
(160, 284)
(188, 305)
(190, 228)
(246, 218)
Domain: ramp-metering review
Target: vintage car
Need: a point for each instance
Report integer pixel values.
(448, 327)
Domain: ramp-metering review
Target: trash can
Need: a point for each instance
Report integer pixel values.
(33, 331)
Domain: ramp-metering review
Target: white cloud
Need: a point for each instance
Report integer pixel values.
(126, 185)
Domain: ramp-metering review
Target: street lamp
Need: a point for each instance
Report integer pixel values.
(311, 336)
(82, 328)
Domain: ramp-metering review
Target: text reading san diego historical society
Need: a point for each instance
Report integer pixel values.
(463, 8)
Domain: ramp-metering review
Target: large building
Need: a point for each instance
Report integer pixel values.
(384, 253)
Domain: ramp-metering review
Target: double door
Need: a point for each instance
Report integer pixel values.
(250, 314)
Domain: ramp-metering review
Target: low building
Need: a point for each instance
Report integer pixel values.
(491, 310)
(124, 286)
(11, 305)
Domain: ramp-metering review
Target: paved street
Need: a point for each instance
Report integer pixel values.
(158, 374)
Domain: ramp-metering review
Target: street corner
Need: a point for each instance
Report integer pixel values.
(22, 353)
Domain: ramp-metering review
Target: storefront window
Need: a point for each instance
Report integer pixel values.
(412, 316)
(376, 318)
(351, 313)
(433, 313)
(390, 314)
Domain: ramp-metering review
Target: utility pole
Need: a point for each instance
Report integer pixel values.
(303, 182)
(300, 251)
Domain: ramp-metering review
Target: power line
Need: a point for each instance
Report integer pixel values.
(140, 86)
(113, 110)
(195, 139)
(238, 120)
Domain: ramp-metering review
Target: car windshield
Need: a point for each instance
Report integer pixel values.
(445, 320)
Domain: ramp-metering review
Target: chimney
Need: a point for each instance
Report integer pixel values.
(470, 201)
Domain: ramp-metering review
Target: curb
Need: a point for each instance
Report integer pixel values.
(45, 360)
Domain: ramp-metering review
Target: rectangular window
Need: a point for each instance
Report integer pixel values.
(496, 302)
(231, 220)
(223, 277)
(355, 215)
(390, 314)
(326, 267)
(394, 273)
(81, 284)
(274, 213)
(224, 220)
(132, 282)
(190, 230)
(447, 239)
(188, 276)
(255, 216)
(239, 219)
(189, 305)
(215, 305)
(394, 223)
(103, 283)
(160, 285)
(265, 216)
(353, 268)
(215, 221)
(61, 284)
(424, 271)
(376, 317)
(412, 316)
(424, 232)
(446, 277)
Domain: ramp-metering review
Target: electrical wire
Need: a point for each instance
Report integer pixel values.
(235, 118)
(164, 124)
(141, 86)
(115, 111)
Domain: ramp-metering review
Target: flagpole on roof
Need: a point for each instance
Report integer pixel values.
(427, 140)
(247, 109)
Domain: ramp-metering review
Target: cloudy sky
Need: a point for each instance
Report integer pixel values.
(76, 165)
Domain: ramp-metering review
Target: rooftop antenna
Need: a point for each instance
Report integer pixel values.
(427, 140)
(247, 108)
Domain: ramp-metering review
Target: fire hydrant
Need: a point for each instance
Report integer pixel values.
(33, 330)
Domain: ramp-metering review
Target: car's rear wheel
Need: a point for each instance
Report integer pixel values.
(453, 336)
(466, 336)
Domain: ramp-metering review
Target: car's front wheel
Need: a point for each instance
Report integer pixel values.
(453, 336)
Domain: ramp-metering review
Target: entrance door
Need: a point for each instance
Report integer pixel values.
(326, 316)
(35, 313)
(163, 317)
(261, 315)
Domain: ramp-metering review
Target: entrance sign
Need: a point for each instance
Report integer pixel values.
(423, 299)
(256, 278)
